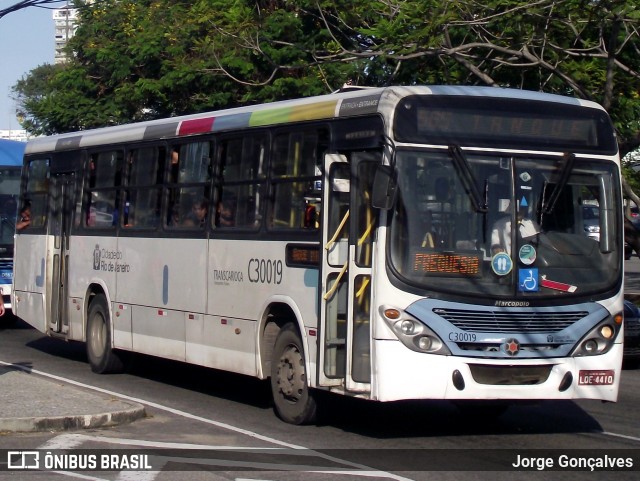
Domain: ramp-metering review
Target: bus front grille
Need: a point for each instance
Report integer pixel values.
(507, 322)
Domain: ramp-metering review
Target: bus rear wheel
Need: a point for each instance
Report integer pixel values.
(102, 357)
(294, 401)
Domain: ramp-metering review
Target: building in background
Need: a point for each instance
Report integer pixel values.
(65, 19)
(14, 134)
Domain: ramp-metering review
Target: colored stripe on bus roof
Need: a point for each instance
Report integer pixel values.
(196, 126)
(298, 113)
(231, 122)
(168, 129)
(69, 142)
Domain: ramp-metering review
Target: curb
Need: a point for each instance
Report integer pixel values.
(71, 423)
(31, 403)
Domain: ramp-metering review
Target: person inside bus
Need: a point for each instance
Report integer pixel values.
(24, 219)
(198, 215)
(226, 211)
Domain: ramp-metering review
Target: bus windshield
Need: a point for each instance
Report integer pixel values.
(545, 227)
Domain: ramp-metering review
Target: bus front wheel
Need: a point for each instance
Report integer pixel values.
(294, 402)
(102, 357)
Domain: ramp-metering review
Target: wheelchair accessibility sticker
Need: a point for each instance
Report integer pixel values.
(528, 280)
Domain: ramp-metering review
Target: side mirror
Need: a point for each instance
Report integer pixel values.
(384, 188)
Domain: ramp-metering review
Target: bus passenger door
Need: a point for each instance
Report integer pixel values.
(61, 205)
(348, 230)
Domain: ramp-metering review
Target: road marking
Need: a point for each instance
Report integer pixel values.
(616, 435)
(363, 470)
(79, 476)
(218, 424)
(70, 441)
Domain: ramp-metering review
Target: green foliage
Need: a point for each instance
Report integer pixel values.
(133, 60)
(632, 177)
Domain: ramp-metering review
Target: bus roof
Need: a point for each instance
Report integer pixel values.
(11, 152)
(343, 104)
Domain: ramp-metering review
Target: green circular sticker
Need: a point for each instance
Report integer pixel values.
(527, 254)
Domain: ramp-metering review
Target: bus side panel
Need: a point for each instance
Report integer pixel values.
(76, 318)
(90, 262)
(31, 309)
(159, 332)
(222, 343)
(162, 273)
(243, 275)
(122, 332)
(160, 279)
(29, 280)
(246, 277)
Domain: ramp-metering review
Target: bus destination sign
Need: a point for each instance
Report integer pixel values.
(446, 263)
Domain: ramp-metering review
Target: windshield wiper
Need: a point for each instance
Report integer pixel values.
(468, 180)
(567, 168)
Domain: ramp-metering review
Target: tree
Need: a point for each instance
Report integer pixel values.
(134, 60)
(587, 49)
(35, 99)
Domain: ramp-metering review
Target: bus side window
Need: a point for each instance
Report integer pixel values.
(143, 193)
(296, 177)
(189, 175)
(102, 191)
(241, 182)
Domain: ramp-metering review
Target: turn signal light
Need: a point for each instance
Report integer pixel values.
(392, 314)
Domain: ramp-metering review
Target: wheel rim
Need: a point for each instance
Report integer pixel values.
(291, 374)
(98, 331)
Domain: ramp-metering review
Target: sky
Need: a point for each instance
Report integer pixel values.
(26, 41)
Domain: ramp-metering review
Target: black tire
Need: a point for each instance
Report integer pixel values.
(102, 358)
(294, 402)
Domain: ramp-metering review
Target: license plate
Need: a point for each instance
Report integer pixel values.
(596, 378)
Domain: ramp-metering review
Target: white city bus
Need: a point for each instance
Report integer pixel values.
(393, 243)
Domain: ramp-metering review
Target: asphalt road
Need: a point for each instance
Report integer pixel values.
(191, 407)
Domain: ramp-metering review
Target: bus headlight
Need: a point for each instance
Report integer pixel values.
(408, 327)
(430, 343)
(599, 339)
(413, 333)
